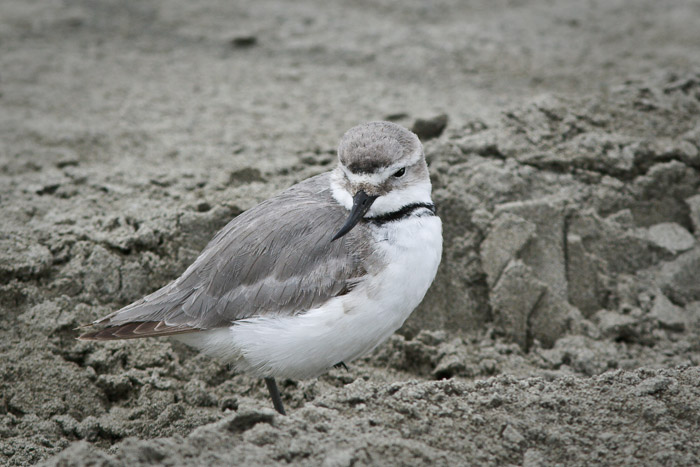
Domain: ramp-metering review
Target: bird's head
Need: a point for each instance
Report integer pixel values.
(381, 169)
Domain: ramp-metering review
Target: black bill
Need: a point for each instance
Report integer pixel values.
(361, 203)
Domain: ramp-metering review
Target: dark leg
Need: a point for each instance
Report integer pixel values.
(275, 394)
(341, 365)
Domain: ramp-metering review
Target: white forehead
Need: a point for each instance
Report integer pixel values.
(380, 175)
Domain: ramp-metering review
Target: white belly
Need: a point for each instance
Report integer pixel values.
(346, 327)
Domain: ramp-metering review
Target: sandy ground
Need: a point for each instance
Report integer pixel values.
(563, 326)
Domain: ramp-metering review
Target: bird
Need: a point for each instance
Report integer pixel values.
(311, 278)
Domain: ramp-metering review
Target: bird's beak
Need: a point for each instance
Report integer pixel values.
(361, 203)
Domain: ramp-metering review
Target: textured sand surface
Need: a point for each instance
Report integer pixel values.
(563, 326)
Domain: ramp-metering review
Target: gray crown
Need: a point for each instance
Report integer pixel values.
(371, 146)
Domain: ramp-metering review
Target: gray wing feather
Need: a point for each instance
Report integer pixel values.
(276, 258)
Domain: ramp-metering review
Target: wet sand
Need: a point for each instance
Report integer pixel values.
(564, 323)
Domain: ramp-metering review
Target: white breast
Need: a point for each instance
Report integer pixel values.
(346, 327)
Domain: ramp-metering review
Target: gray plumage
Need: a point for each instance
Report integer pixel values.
(369, 147)
(276, 258)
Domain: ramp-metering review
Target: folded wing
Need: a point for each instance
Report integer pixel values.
(274, 259)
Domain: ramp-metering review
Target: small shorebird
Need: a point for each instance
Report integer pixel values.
(314, 277)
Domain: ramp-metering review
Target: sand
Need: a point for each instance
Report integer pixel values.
(564, 324)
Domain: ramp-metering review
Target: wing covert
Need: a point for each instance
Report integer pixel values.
(275, 258)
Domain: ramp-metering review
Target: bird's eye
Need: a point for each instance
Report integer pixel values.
(400, 172)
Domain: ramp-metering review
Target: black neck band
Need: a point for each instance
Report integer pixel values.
(402, 213)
